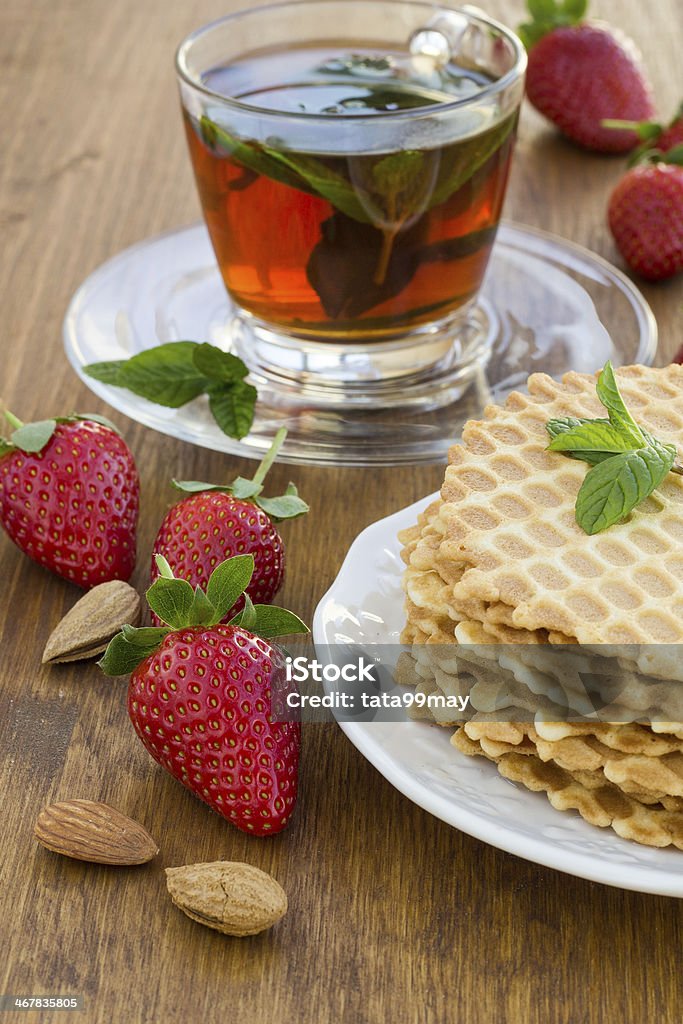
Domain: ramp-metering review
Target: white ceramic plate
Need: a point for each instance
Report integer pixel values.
(364, 606)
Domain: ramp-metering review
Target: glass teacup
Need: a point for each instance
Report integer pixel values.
(351, 157)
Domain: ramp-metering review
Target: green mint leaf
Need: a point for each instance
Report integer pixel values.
(398, 172)
(244, 489)
(125, 651)
(250, 155)
(465, 159)
(615, 487)
(247, 617)
(196, 486)
(232, 406)
(566, 423)
(271, 621)
(287, 506)
(107, 372)
(563, 424)
(202, 612)
(228, 581)
(619, 416)
(402, 187)
(218, 365)
(592, 436)
(165, 374)
(172, 600)
(326, 183)
(665, 450)
(32, 437)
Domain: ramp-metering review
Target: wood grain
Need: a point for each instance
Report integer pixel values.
(393, 916)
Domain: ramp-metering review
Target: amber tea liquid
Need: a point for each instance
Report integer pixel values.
(348, 245)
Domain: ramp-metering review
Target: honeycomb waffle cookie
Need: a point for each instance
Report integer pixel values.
(642, 771)
(511, 546)
(598, 801)
(550, 683)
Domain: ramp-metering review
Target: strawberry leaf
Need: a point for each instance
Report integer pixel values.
(164, 568)
(227, 583)
(6, 447)
(287, 506)
(539, 9)
(247, 617)
(144, 636)
(32, 437)
(244, 489)
(126, 650)
(93, 417)
(269, 621)
(232, 407)
(575, 9)
(674, 155)
(547, 15)
(202, 611)
(196, 486)
(172, 601)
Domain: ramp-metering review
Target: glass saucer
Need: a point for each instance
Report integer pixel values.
(547, 305)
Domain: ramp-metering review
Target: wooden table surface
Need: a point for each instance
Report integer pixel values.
(394, 916)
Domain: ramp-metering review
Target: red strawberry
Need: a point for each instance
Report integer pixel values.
(581, 73)
(207, 700)
(645, 216)
(216, 522)
(69, 497)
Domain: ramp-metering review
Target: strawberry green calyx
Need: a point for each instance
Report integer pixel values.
(179, 606)
(656, 139)
(671, 156)
(648, 155)
(547, 15)
(286, 506)
(32, 437)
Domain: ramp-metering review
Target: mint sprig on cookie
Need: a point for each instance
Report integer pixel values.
(627, 463)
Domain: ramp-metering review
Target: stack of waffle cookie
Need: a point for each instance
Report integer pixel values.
(499, 567)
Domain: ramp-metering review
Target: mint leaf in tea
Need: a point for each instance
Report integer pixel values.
(339, 240)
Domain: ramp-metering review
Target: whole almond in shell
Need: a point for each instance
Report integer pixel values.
(88, 627)
(233, 898)
(87, 830)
